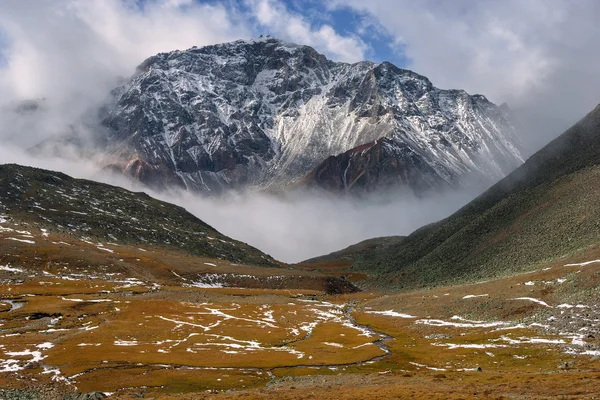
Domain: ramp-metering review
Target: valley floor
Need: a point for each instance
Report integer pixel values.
(66, 330)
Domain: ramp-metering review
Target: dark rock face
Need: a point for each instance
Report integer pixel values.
(263, 113)
(156, 176)
(378, 165)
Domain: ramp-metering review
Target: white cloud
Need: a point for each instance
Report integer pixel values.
(280, 22)
(73, 52)
(466, 44)
(305, 225)
(537, 55)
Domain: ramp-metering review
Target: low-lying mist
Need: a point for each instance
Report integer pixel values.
(298, 226)
(290, 227)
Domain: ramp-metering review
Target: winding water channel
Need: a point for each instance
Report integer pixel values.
(14, 305)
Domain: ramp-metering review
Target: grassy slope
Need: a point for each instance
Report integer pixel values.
(361, 248)
(101, 212)
(545, 209)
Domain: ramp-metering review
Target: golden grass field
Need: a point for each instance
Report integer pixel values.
(134, 322)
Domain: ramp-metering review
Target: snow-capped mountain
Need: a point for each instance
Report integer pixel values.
(264, 113)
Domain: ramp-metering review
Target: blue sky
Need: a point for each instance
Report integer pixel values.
(347, 21)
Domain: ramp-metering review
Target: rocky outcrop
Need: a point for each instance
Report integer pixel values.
(375, 166)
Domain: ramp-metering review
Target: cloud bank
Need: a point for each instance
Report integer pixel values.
(307, 225)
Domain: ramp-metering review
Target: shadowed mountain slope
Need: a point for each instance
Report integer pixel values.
(97, 211)
(359, 249)
(545, 209)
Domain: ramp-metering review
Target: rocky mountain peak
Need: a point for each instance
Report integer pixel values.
(263, 113)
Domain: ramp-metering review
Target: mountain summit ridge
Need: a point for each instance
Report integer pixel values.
(264, 113)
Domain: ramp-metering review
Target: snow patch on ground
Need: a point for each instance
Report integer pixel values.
(472, 324)
(21, 240)
(529, 340)
(10, 269)
(583, 264)
(391, 313)
(119, 342)
(453, 346)
(538, 301)
(88, 301)
(427, 367)
(203, 285)
(471, 296)
(571, 306)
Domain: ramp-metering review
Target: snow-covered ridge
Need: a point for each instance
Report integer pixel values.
(265, 112)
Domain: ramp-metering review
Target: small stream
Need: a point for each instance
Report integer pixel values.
(348, 310)
(14, 305)
(379, 342)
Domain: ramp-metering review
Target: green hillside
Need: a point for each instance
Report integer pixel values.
(547, 208)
